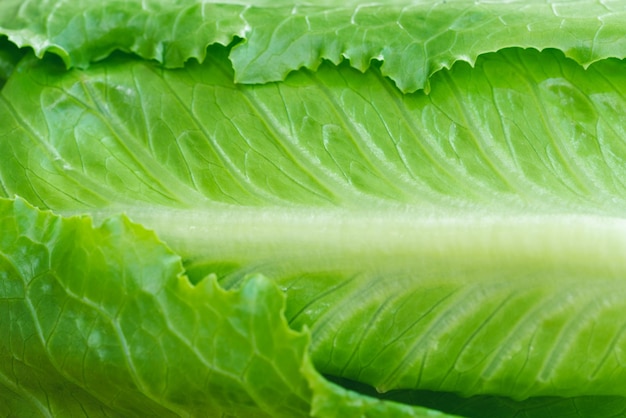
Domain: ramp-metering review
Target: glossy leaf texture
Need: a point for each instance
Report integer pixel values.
(468, 240)
(522, 131)
(413, 38)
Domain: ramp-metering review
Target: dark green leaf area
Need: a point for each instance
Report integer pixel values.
(500, 407)
(10, 55)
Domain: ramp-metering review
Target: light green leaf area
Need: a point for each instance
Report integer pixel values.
(414, 38)
(522, 132)
(466, 241)
(102, 322)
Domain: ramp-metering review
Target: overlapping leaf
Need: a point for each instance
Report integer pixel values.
(413, 38)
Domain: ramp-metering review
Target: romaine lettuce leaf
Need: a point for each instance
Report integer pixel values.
(413, 38)
(522, 132)
(467, 238)
(442, 216)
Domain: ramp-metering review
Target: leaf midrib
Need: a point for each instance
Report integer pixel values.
(393, 239)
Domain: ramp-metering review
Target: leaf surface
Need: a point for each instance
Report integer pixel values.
(413, 38)
(466, 241)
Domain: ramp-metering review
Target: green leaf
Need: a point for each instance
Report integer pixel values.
(469, 240)
(103, 322)
(522, 132)
(84, 31)
(414, 38)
